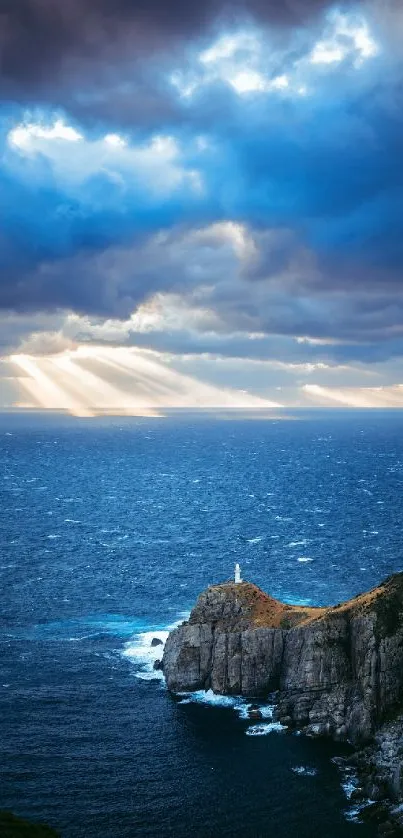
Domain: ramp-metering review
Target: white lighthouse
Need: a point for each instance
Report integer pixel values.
(237, 574)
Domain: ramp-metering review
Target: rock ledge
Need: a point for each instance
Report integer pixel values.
(336, 671)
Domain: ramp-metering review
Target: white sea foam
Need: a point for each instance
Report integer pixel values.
(140, 651)
(354, 812)
(240, 705)
(350, 784)
(254, 540)
(143, 654)
(304, 559)
(298, 543)
(154, 675)
(265, 729)
(304, 770)
(213, 699)
(267, 710)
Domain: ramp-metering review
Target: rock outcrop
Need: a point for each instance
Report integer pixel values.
(336, 671)
(13, 827)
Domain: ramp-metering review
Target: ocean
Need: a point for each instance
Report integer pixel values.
(110, 528)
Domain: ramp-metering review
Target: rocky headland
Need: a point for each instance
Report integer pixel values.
(334, 671)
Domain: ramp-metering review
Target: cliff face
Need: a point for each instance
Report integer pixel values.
(336, 671)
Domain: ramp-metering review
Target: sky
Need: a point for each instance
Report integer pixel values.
(201, 204)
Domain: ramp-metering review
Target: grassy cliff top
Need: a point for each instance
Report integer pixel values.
(246, 605)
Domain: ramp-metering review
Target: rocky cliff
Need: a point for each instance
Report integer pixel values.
(335, 671)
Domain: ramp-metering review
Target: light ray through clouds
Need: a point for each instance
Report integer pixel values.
(358, 397)
(91, 380)
(187, 235)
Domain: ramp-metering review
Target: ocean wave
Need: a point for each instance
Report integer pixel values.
(265, 729)
(77, 629)
(304, 770)
(213, 699)
(242, 707)
(143, 654)
(302, 543)
(140, 651)
(351, 785)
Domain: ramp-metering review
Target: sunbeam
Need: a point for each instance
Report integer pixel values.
(359, 397)
(47, 393)
(91, 380)
(105, 396)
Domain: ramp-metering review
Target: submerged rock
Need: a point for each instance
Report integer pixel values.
(337, 671)
(255, 714)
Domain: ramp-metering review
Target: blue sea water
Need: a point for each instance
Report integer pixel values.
(109, 530)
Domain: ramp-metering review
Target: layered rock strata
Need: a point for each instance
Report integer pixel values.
(336, 671)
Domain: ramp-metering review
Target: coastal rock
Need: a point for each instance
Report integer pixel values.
(255, 714)
(13, 827)
(336, 671)
(380, 764)
(156, 641)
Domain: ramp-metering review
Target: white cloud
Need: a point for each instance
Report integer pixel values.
(158, 163)
(249, 81)
(345, 37)
(237, 59)
(249, 63)
(326, 53)
(26, 135)
(115, 139)
(228, 46)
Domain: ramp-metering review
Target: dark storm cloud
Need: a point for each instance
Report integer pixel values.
(43, 39)
(316, 179)
(109, 63)
(272, 347)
